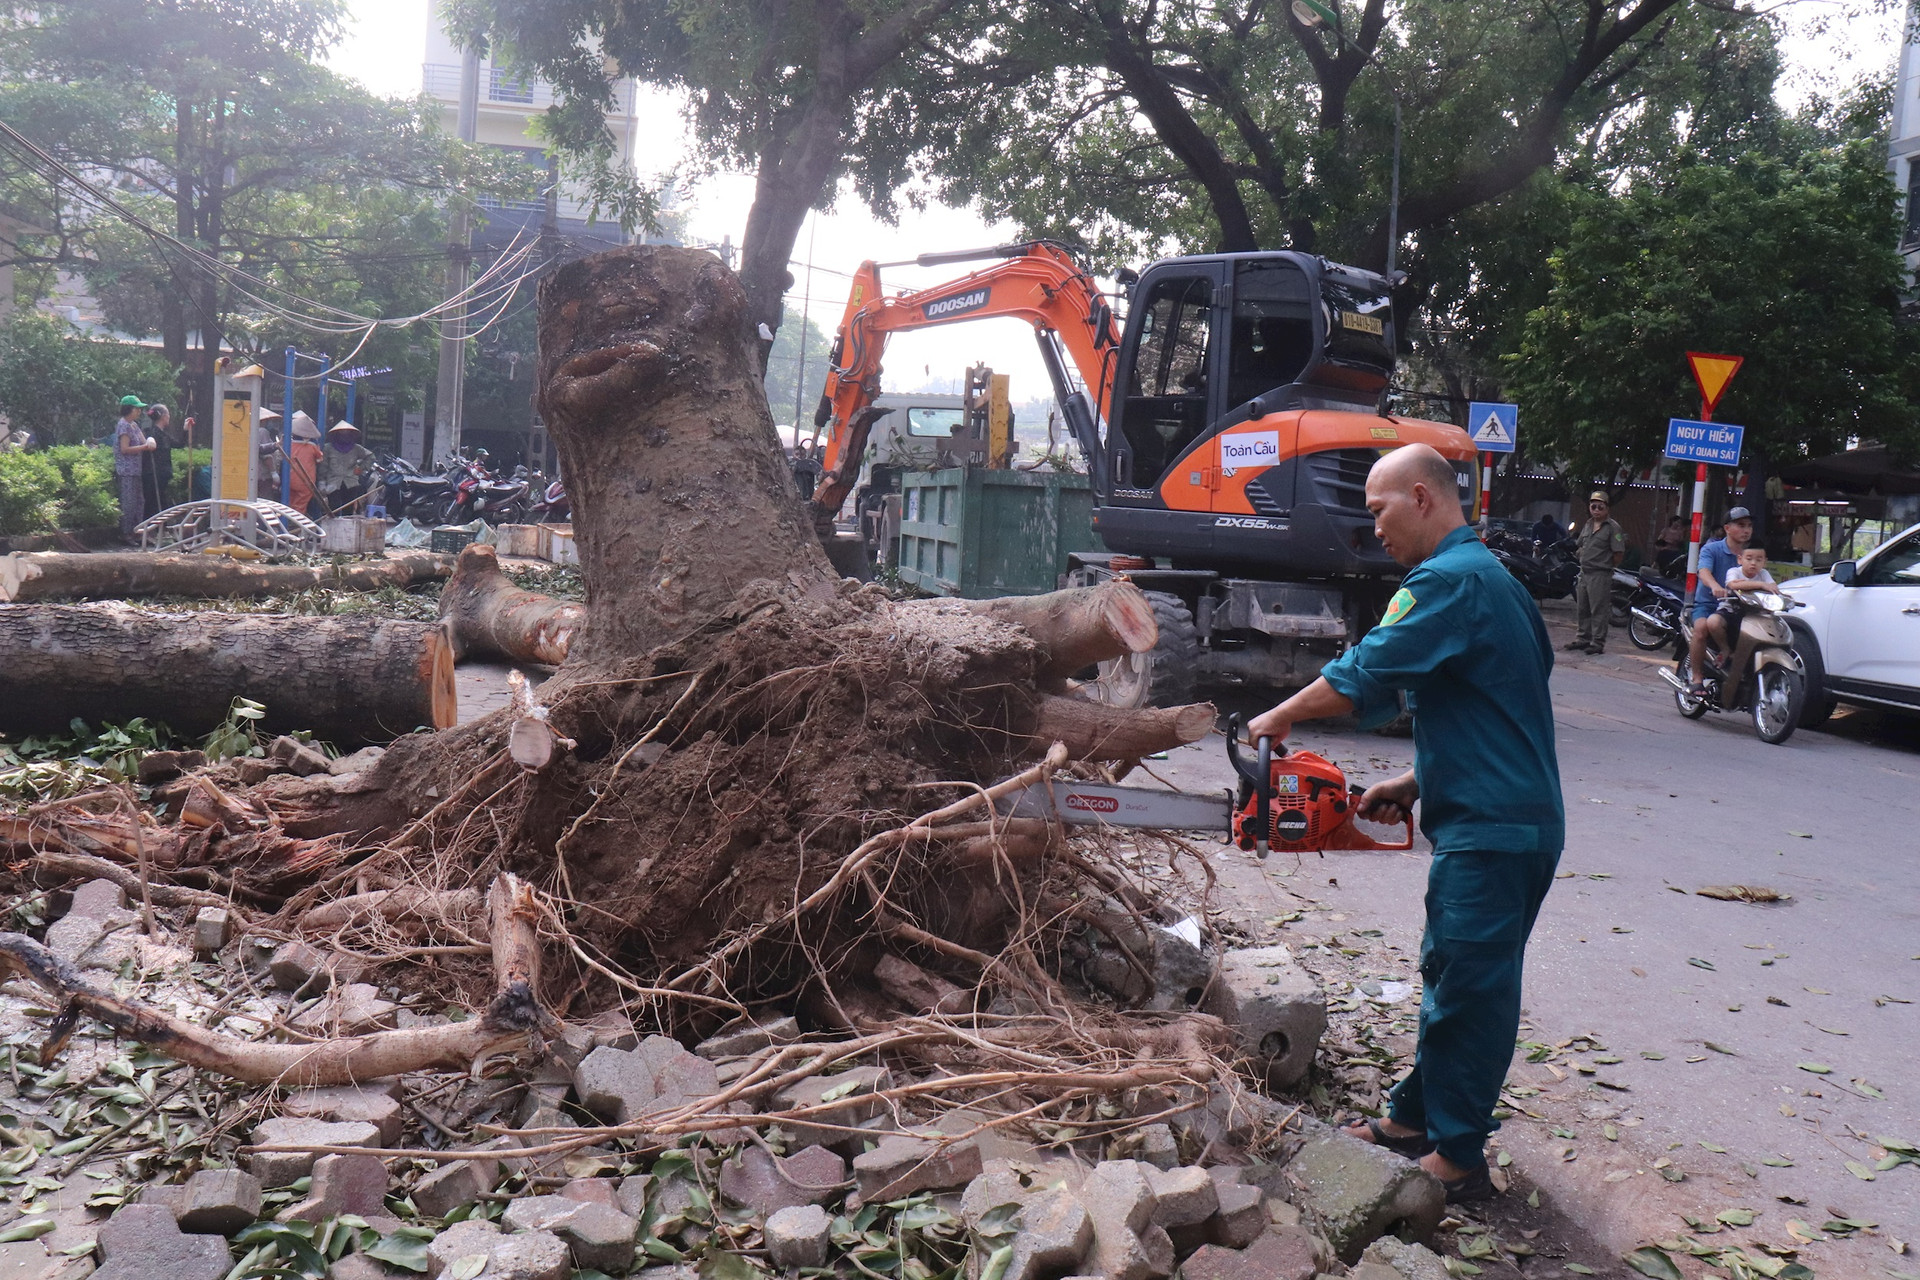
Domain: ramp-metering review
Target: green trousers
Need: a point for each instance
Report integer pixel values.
(1480, 909)
(1593, 598)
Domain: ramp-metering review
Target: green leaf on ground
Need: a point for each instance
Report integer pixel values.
(1698, 963)
(1818, 1068)
(1714, 1147)
(1653, 1055)
(1778, 1162)
(1859, 1171)
(30, 1229)
(1581, 1270)
(1649, 1261)
(1718, 1048)
(1736, 1217)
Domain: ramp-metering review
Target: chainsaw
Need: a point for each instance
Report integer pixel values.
(1297, 803)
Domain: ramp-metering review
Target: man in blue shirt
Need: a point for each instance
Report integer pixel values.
(1716, 558)
(1465, 645)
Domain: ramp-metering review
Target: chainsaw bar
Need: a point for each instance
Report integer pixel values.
(1092, 804)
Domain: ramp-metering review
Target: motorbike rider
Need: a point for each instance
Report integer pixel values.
(1717, 558)
(1599, 544)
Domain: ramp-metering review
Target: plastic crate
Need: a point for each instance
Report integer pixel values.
(449, 538)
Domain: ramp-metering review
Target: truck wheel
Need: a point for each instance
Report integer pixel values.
(1161, 677)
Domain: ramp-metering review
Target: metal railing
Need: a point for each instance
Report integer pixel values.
(442, 80)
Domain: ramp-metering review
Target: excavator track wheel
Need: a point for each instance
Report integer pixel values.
(1161, 677)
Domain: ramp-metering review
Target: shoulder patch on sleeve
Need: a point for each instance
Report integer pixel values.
(1398, 607)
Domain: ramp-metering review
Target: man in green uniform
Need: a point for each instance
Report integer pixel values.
(1464, 644)
(1599, 544)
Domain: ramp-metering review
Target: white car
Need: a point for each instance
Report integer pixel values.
(1858, 630)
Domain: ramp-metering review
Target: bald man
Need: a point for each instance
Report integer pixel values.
(1464, 644)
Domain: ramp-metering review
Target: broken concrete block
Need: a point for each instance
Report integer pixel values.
(298, 757)
(453, 1184)
(212, 929)
(766, 1184)
(853, 1102)
(158, 766)
(1053, 1235)
(354, 762)
(1276, 1255)
(1357, 1192)
(358, 1266)
(593, 1191)
(352, 1010)
(1274, 1008)
(527, 1255)
(218, 1202)
(1182, 969)
(1406, 1261)
(297, 964)
(1126, 1243)
(278, 1168)
(73, 935)
(598, 1236)
(738, 1039)
(797, 1236)
(1241, 1217)
(142, 1242)
(1157, 1147)
(172, 1198)
(630, 1195)
(353, 1184)
(1182, 1196)
(373, 1103)
(902, 1165)
(100, 899)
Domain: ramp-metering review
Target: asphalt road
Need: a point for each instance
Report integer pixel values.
(1703, 1011)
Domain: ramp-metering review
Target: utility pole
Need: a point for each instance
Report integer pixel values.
(451, 386)
(806, 308)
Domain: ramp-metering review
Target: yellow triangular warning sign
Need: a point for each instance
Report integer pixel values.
(1713, 373)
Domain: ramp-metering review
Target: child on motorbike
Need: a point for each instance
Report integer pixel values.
(1749, 574)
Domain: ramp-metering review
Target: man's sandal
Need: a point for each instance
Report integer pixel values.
(1413, 1146)
(1470, 1187)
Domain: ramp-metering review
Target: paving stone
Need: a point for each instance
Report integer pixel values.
(902, 1165)
(354, 1009)
(218, 1202)
(1054, 1234)
(358, 1266)
(142, 1242)
(99, 899)
(299, 758)
(630, 1197)
(593, 1191)
(1404, 1261)
(1157, 1147)
(453, 1184)
(73, 935)
(1276, 1255)
(526, 1255)
(1357, 1192)
(278, 1168)
(353, 1184)
(212, 929)
(1126, 1243)
(158, 766)
(1241, 1217)
(797, 1236)
(1274, 1008)
(297, 964)
(598, 1236)
(1182, 1196)
(849, 1108)
(364, 758)
(738, 1039)
(172, 1198)
(373, 1103)
(620, 1085)
(755, 1179)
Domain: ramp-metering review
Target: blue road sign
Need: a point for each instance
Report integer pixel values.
(1494, 427)
(1717, 443)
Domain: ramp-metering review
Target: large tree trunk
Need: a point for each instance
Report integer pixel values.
(486, 614)
(679, 492)
(350, 680)
(121, 575)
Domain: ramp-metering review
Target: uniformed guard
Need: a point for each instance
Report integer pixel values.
(1465, 645)
(1600, 543)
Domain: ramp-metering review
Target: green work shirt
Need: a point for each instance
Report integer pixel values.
(1598, 544)
(1465, 644)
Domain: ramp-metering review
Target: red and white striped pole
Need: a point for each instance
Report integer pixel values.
(1699, 513)
(1486, 486)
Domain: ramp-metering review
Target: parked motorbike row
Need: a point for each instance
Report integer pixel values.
(467, 490)
(1547, 570)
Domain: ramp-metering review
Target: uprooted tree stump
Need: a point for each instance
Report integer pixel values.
(486, 614)
(759, 782)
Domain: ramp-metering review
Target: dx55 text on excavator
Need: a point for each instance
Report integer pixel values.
(1228, 422)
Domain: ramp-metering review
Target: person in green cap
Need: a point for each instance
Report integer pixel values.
(131, 444)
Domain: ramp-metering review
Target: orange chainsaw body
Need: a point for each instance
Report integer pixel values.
(1310, 809)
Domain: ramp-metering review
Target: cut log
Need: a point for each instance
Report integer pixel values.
(1078, 627)
(487, 614)
(348, 679)
(1095, 731)
(649, 385)
(120, 575)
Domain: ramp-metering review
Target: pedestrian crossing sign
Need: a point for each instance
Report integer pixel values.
(1494, 427)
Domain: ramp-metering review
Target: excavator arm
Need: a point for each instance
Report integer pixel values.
(1036, 281)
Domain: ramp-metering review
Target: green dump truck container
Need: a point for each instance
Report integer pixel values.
(969, 531)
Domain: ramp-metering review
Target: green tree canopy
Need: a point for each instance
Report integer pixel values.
(62, 387)
(1790, 263)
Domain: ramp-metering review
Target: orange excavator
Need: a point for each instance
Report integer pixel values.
(1228, 425)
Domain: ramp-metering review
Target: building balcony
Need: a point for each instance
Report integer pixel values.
(498, 87)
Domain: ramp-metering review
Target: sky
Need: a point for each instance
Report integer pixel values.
(1830, 43)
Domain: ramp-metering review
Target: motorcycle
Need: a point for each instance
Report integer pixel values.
(1547, 570)
(1761, 674)
(552, 507)
(410, 493)
(1648, 606)
(479, 494)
